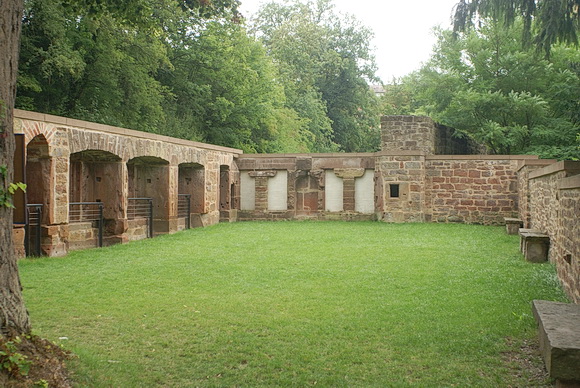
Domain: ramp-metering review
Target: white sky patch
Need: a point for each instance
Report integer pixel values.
(403, 29)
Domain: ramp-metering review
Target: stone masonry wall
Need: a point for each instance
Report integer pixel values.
(525, 168)
(402, 182)
(400, 133)
(555, 208)
(566, 248)
(471, 189)
(89, 143)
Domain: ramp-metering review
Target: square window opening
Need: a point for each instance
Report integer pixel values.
(394, 190)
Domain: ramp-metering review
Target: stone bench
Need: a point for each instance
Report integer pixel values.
(534, 245)
(513, 225)
(559, 334)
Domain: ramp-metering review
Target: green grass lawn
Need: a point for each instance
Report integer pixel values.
(294, 304)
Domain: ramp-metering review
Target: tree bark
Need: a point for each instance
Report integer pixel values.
(13, 315)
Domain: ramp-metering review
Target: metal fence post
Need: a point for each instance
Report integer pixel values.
(38, 230)
(101, 220)
(189, 212)
(151, 217)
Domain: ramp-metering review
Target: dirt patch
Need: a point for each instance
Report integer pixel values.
(525, 363)
(47, 364)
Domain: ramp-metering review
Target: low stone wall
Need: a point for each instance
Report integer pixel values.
(307, 186)
(554, 207)
(472, 189)
(524, 169)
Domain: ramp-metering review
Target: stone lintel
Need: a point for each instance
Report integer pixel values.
(267, 174)
(559, 333)
(346, 173)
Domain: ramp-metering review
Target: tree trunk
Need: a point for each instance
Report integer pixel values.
(13, 315)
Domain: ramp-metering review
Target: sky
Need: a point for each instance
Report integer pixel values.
(402, 28)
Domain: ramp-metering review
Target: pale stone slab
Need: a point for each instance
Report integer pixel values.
(247, 191)
(278, 191)
(364, 193)
(559, 332)
(333, 193)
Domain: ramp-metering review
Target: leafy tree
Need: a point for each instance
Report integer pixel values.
(325, 63)
(225, 86)
(490, 88)
(553, 20)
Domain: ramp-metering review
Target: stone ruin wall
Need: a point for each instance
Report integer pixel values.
(307, 186)
(77, 161)
(471, 189)
(554, 208)
(410, 180)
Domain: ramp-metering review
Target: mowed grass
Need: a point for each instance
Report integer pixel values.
(332, 304)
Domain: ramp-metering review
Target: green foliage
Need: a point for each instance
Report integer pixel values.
(545, 22)
(11, 188)
(325, 64)
(11, 360)
(484, 84)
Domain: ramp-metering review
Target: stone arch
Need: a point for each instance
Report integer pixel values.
(192, 182)
(100, 176)
(151, 177)
(39, 175)
(81, 141)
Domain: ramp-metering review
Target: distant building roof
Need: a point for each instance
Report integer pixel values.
(379, 90)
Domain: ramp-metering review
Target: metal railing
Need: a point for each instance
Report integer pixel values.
(87, 212)
(184, 208)
(141, 208)
(33, 230)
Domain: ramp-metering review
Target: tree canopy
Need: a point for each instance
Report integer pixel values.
(503, 95)
(326, 64)
(190, 69)
(545, 22)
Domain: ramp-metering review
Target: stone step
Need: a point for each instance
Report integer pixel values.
(559, 333)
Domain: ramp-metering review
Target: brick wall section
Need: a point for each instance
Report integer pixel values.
(566, 248)
(544, 195)
(555, 209)
(525, 168)
(305, 184)
(471, 189)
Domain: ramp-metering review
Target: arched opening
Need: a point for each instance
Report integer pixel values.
(191, 194)
(96, 198)
(225, 194)
(38, 175)
(39, 194)
(149, 191)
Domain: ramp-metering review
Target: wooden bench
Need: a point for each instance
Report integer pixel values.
(534, 245)
(513, 225)
(559, 334)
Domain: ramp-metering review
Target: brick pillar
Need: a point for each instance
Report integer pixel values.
(262, 188)
(348, 176)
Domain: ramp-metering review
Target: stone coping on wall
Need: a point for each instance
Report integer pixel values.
(298, 156)
(59, 120)
(527, 159)
(568, 166)
(572, 182)
(536, 163)
(482, 157)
